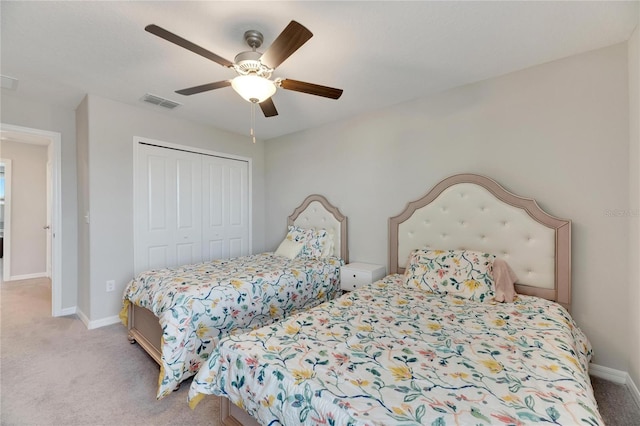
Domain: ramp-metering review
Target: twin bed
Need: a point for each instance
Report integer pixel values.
(179, 314)
(431, 343)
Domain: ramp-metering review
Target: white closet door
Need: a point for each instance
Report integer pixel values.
(225, 215)
(169, 208)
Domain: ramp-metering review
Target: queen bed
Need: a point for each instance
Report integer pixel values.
(178, 315)
(441, 340)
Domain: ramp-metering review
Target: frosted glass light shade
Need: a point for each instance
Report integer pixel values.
(253, 88)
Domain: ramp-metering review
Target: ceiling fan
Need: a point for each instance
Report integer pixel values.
(254, 69)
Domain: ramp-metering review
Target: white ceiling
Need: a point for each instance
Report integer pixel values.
(380, 53)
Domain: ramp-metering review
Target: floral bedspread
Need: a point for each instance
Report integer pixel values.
(385, 354)
(201, 303)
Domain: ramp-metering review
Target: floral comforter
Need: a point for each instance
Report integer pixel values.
(385, 354)
(201, 303)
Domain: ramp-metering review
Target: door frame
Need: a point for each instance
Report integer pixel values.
(137, 140)
(6, 258)
(54, 156)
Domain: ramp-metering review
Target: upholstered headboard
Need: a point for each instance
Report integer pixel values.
(473, 212)
(317, 212)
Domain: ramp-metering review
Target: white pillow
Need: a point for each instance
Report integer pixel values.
(329, 245)
(289, 248)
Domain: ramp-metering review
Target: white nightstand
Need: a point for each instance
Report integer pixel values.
(358, 274)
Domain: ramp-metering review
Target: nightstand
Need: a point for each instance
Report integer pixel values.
(354, 275)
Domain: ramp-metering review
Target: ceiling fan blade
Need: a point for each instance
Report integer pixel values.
(204, 87)
(176, 39)
(268, 108)
(312, 89)
(289, 40)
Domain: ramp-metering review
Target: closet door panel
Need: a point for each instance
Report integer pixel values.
(225, 202)
(157, 257)
(189, 207)
(188, 243)
(215, 250)
(237, 223)
(236, 247)
(168, 216)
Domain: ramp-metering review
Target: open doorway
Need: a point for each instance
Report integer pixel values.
(51, 226)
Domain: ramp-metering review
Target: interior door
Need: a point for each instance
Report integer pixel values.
(225, 229)
(169, 208)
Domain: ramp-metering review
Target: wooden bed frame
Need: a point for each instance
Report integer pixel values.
(474, 212)
(314, 212)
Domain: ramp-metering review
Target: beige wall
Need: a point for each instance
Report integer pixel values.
(110, 131)
(28, 207)
(33, 114)
(557, 132)
(634, 195)
(84, 254)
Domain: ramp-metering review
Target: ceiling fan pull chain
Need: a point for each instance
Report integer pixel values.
(253, 121)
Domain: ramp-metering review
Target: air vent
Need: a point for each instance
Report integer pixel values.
(157, 100)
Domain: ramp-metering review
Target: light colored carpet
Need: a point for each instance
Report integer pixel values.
(53, 371)
(615, 403)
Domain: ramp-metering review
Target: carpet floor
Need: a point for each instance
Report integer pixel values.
(53, 371)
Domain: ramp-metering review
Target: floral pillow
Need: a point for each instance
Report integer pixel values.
(314, 240)
(315, 245)
(462, 273)
(298, 234)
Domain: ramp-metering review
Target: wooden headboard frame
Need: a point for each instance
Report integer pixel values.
(317, 212)
(474, 212)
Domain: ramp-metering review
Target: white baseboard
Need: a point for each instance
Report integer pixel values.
(616, 376)
(103, 322)
(97, 323)
(83, 317)
(634, 390)
(27, 276)
(607, 373)
(66, 311)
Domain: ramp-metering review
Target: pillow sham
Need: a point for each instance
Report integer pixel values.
(315, 241)
(289, 248)
(298, 234)
(462, 273)
(315, 245)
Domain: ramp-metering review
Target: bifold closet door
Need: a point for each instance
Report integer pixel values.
(225, 203)
(168, 217)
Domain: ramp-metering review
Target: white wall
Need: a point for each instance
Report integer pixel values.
(634, 205)
(33, 114)
(28, 255)
(111, 129)
(557, 132)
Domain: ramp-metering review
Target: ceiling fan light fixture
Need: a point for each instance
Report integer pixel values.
(253, 88)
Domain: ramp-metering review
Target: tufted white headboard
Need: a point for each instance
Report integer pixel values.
(474, 212)
(317, 212)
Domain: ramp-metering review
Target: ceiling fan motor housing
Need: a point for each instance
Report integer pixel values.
(253, 38)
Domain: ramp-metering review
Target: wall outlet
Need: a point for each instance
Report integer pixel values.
(111, 285)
